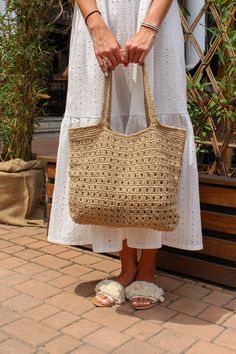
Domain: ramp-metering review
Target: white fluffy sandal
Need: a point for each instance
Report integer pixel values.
(142, 289)
(112, 290)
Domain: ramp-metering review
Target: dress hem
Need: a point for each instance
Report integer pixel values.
(75, 243)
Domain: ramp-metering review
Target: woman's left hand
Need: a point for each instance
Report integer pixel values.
(137, 47)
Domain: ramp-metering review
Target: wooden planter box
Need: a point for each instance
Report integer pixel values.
(217, 261)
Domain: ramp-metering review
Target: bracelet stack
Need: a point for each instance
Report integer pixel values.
(149, 25)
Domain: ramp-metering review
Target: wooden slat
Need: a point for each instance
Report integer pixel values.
(51, 171)
(52, 164)
(219, 222)
(49, 207)
(50, 188)
(197, 268)
(218, 195)
(48, 158)
(219, 248)
(220, 180)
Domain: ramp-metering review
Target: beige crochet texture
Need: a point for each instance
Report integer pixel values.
(126, 180)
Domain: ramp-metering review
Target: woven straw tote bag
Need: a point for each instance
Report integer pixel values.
(126, 180)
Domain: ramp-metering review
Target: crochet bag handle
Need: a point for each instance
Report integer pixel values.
(150, 111)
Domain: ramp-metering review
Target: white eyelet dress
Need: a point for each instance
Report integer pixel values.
(166, 69)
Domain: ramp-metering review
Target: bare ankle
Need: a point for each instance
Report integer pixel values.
(127, 275)
(129, 268)
(146, 273)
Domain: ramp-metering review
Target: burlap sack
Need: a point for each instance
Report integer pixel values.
(21, 185)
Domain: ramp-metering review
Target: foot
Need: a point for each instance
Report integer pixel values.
(125, 278)
(145, 273)
(143, 294)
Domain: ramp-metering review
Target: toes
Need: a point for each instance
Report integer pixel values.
(103, 299)
(141, 302)
(106, 302)
(134, 302)
(101, 296)
(137, 302)
(148, 302)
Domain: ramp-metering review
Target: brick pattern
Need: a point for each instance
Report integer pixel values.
(45, 305)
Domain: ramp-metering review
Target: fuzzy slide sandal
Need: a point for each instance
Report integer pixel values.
(112, 290)
(144, 290)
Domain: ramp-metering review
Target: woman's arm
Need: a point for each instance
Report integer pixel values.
(157, 11)
(105, 44)
(141, 43)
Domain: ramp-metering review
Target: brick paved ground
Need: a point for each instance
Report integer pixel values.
(45, 292)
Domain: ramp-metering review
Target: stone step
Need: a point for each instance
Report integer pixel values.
(48, 126)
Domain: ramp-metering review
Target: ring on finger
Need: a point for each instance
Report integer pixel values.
(125, 53)
(105, 60)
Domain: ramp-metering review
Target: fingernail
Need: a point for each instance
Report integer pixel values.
(106, 74)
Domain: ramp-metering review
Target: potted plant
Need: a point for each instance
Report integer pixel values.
(25, 62)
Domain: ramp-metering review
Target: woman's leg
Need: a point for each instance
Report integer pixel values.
(128, 258)
(146, 270)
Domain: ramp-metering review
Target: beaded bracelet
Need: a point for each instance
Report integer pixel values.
(148, 25)
(91, 13)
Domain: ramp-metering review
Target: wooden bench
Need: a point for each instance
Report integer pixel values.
(50, 181)
(46, 149)
(217, 261)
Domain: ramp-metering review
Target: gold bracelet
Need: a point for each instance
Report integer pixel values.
(149, 25)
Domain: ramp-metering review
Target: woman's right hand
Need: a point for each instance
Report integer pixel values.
(105, 44)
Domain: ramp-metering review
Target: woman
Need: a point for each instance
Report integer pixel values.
(115, 39)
